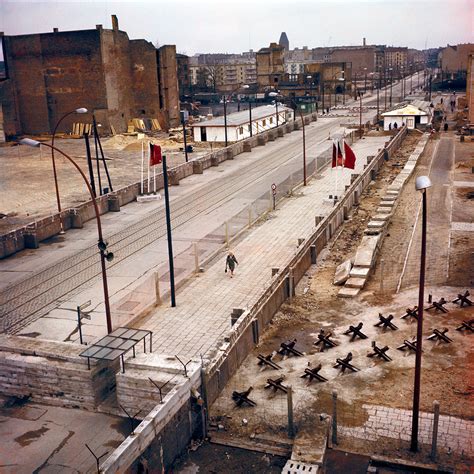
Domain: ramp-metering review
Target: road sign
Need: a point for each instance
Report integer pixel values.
(84, 305)
(274, 189)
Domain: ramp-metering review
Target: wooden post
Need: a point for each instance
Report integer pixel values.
(434, 440)
(291, 426)
(334, 417)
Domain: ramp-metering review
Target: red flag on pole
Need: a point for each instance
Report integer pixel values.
(350, 160)
(155, 154)
(337, 159)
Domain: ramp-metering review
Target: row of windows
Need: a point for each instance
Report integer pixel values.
(264, 123)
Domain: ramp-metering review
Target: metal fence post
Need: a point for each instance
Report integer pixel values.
(382, 261)
(196, 257)
(434, 440)
(334, 417)
(291, 426)
(157, 289)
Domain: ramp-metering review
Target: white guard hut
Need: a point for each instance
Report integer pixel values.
(408, 115)
(238, 124)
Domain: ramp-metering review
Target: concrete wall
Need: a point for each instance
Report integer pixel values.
(52, 373)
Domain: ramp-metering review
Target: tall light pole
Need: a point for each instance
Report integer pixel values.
(422, 183)
(391, 77)
(102, 244)
(365, 80)
(81, 110)
(243, 86)
(275, 94)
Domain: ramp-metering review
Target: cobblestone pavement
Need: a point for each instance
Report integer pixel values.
(202, 315)
(454, 433)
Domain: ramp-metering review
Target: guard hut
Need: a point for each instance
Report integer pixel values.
(408, 115)
(239, 126)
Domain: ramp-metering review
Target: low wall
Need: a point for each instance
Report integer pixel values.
(52, 373)
(30, 236)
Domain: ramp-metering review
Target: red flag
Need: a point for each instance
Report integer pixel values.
(350, 160)
(155, 154)
(334, 155)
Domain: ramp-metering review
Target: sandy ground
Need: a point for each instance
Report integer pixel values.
(447, 368)
(27, 183)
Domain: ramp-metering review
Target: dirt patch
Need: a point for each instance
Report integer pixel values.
(30, 436)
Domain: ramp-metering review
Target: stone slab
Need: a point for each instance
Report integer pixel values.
(366, 251)
(342, 272)
(348, 292)
(376, 224)
(359, 272)
(354, 282)
(381, 217)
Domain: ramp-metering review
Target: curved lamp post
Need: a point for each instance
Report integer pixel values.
(275, 94)
(240, 86)
(422, 183)
(81, 110)
(104, 254)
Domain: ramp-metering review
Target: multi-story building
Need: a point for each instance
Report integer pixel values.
(184, 74)
(470, 88)
(51, 74)
(270, 66)
(397, 59)
(454, 59)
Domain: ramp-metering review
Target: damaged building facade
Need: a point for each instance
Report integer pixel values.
(48, 75)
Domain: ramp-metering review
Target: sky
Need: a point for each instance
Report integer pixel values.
(228, 26)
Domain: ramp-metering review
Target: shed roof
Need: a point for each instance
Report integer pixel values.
(406, 110)
(240, 118)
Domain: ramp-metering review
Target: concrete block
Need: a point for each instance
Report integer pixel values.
(387, 204)
(376, 224)
(261, 140)
(366, 251)
(389, 198)
(229, 154)
(342, 272)
(359, 272)
(114, 203)
(198, 166)
(247, 147)
(381, 217)
(348, 292)
(384, 210)
(355, 282)
(31, 239)
(281, 131)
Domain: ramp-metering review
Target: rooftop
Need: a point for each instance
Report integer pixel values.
(240, 118)
(406, 110)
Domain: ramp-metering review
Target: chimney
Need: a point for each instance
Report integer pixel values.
(115, 25)
(55, 30)
(363, 41)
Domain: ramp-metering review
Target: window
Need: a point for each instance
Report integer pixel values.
(271, 119)
(241, 130)
(264, 122)
(248, 128)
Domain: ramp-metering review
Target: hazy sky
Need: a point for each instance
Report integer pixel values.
(233, 26)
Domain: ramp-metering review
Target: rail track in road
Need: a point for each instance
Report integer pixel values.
(34, 296)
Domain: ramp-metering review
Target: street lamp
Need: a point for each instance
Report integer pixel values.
(244, 86)
(422, 183)
(391, 77)
(102, 244)
(81, 110)
(275, 94)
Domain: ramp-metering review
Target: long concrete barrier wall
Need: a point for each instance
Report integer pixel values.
(245, 332)
(30, 235)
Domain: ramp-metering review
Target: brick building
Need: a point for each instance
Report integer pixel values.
(454, 59)
(50, 74)
(270, 66)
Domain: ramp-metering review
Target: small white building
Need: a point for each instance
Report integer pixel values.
(408, 115)
(238, 124)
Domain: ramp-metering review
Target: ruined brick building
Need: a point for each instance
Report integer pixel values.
(50, 74)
